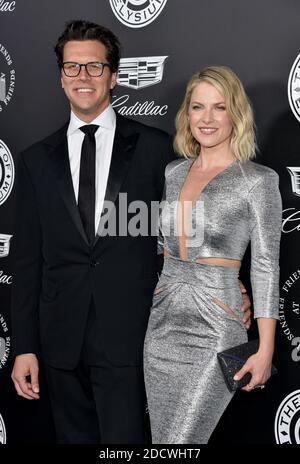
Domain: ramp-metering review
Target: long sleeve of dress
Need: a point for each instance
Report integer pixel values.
(265, 209)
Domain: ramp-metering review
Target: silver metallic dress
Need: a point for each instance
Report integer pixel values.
(196, 308)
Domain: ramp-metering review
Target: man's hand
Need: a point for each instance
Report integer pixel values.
(245, 307)
(26, 365)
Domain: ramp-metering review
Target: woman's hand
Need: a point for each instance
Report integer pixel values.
(246, 307)
(259, 365)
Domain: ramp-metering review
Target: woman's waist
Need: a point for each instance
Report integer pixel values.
(212, 276)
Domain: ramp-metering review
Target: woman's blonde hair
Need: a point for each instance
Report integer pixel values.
(242, 140)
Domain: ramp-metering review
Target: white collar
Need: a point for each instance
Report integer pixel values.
(107, 120)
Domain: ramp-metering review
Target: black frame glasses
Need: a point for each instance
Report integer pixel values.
(93, 68)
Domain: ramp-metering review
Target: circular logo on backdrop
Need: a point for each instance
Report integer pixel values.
(2, 431)
(289, 313)
(7, 78)
(137, 13)
(4, 342)
(294, 88)
(7, 172)
(287, 420)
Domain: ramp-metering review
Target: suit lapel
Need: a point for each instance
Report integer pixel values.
(61, 164)
(123, 150)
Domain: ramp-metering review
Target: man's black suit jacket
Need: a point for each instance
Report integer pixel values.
(57, 273)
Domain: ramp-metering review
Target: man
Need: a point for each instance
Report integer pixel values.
(81, 299)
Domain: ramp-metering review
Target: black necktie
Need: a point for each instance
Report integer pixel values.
(86, 194)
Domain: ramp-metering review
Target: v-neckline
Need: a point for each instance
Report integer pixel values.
(234, 162)
(207, 184)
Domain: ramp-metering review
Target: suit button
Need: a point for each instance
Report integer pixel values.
(94, 263)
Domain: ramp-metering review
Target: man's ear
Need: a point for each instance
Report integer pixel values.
(113, 80)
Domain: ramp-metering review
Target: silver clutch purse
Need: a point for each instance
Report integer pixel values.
(233, 359)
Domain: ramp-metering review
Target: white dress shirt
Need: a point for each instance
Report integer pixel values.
(104, 145)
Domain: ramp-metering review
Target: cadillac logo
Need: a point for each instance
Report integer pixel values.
(7, 6)
(138, 73)
(295, 176)
(4, 245)
(137, 13)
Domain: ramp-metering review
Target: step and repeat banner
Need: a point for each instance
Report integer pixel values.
(164, 43)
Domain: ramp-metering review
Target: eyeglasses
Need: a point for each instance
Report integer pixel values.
(94, 68)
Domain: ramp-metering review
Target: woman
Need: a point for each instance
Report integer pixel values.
(217, 200)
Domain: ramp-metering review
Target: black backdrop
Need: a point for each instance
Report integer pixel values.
(260, 40)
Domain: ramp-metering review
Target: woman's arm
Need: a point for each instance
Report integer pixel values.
(265, 216)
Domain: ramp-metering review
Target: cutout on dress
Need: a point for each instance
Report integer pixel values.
(225, 307)
(226, 262)
(159, 289)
